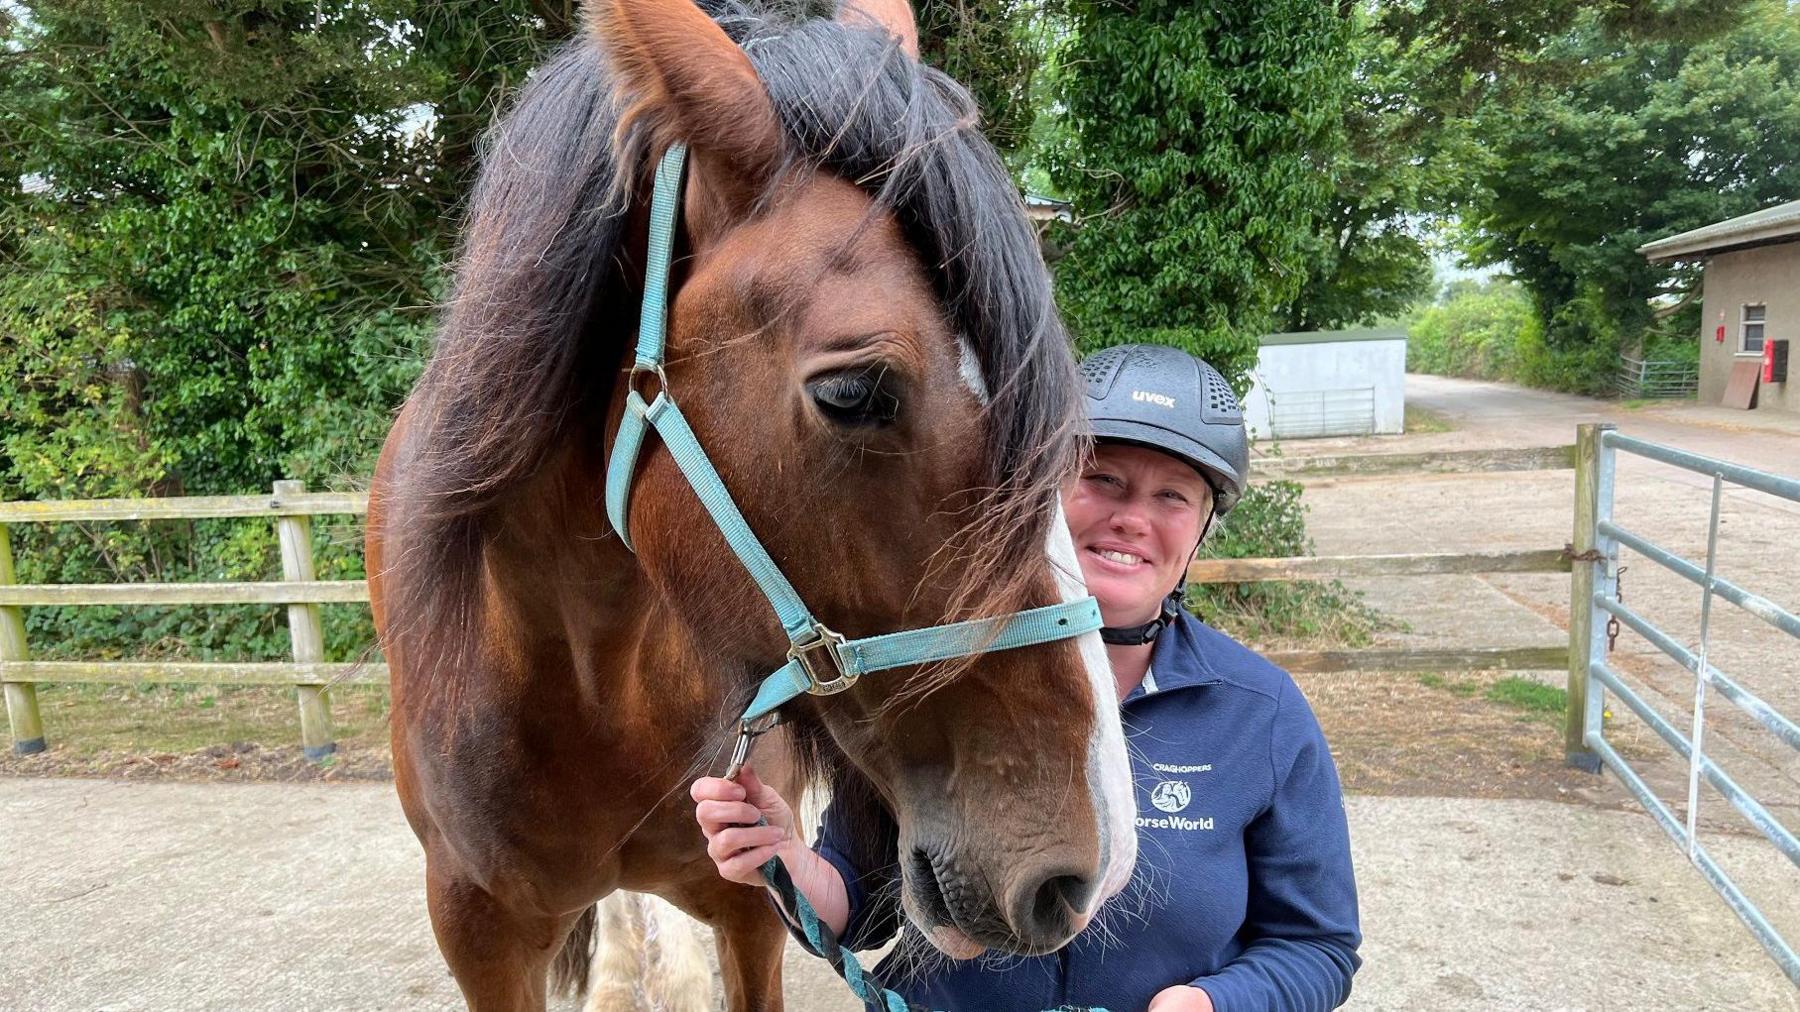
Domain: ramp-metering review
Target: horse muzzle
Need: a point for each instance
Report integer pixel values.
(1042, 904)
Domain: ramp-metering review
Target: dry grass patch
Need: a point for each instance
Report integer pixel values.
(202, 732)
(1457, 734)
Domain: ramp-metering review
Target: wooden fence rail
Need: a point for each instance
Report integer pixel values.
(291, 508)
(26, 595)
(192, 507)
(1540, 458)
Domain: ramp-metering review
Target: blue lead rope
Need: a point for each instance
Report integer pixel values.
(820, 661)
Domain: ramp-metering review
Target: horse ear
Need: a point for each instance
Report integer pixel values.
(892, 16)
(689, 79)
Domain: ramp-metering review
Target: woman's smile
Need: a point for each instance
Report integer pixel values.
(1120, 556)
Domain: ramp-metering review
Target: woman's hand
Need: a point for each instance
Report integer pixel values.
(727, 811)
(1181, 998)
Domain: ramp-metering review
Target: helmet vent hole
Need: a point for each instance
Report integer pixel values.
(1100, 369)
(1219, 397)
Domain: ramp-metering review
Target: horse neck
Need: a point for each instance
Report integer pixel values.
(576, 600)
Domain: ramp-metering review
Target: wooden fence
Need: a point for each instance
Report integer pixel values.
(291, 508)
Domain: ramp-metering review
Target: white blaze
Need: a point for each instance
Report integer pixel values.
(1108, 766)
(970, 368)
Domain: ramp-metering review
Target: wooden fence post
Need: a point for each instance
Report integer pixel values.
(21, 697)
(304, 628)
(1581, 594)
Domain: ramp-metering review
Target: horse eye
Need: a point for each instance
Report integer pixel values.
(855, 398)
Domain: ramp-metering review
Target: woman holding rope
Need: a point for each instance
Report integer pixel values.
(1243, 896)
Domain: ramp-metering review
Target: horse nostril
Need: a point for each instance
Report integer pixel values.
(1054, 907)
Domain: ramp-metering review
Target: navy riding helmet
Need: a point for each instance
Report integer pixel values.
(1164, 399)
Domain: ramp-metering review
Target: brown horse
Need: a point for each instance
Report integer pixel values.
(862, 336)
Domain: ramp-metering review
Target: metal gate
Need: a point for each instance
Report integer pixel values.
(1304, 414)
(1598, 541)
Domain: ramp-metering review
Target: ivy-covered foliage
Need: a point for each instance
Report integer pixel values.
(223, 229)
(1195, 141)
(225, 232)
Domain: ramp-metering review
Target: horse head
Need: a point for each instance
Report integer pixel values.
(861, 335)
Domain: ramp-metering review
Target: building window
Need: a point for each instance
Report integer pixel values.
(1750, 331)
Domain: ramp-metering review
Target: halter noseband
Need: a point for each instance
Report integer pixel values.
(820, 660)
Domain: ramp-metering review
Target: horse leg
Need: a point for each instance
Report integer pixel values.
(500, 957)
(747, 934)
(750, 942)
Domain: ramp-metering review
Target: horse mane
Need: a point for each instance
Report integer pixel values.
(514, 364)
(519, 367)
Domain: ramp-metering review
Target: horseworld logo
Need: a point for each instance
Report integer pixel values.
(1160, 400)
(1171, 796)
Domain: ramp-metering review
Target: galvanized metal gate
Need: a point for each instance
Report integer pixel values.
(1596, 606)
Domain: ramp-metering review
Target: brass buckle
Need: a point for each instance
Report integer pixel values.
(831, 645)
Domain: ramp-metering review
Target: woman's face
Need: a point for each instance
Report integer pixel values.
(1135, 515)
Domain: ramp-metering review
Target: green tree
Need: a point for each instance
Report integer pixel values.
(995, 48)
(1477, 332)
(1368, 256)
(222, 228)
(1195, 142)
(1653, 138)
(224, 263)
(1424, 68)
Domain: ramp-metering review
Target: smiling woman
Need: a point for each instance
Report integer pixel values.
(1243, 894)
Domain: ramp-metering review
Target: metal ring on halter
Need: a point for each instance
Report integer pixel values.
(662, 378)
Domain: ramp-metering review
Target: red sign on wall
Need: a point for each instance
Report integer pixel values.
(1719, 335)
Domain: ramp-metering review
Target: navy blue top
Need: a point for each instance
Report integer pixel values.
(1243, 883)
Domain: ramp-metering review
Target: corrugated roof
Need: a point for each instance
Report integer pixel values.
(1769, 224)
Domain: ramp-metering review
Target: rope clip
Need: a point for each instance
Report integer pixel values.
(748, 732)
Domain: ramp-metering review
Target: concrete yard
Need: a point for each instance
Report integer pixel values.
(165, 896)
(130, 896)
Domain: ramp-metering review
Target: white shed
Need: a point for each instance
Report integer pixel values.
(1328, 383)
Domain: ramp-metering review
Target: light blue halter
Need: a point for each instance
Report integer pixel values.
(820, 661)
